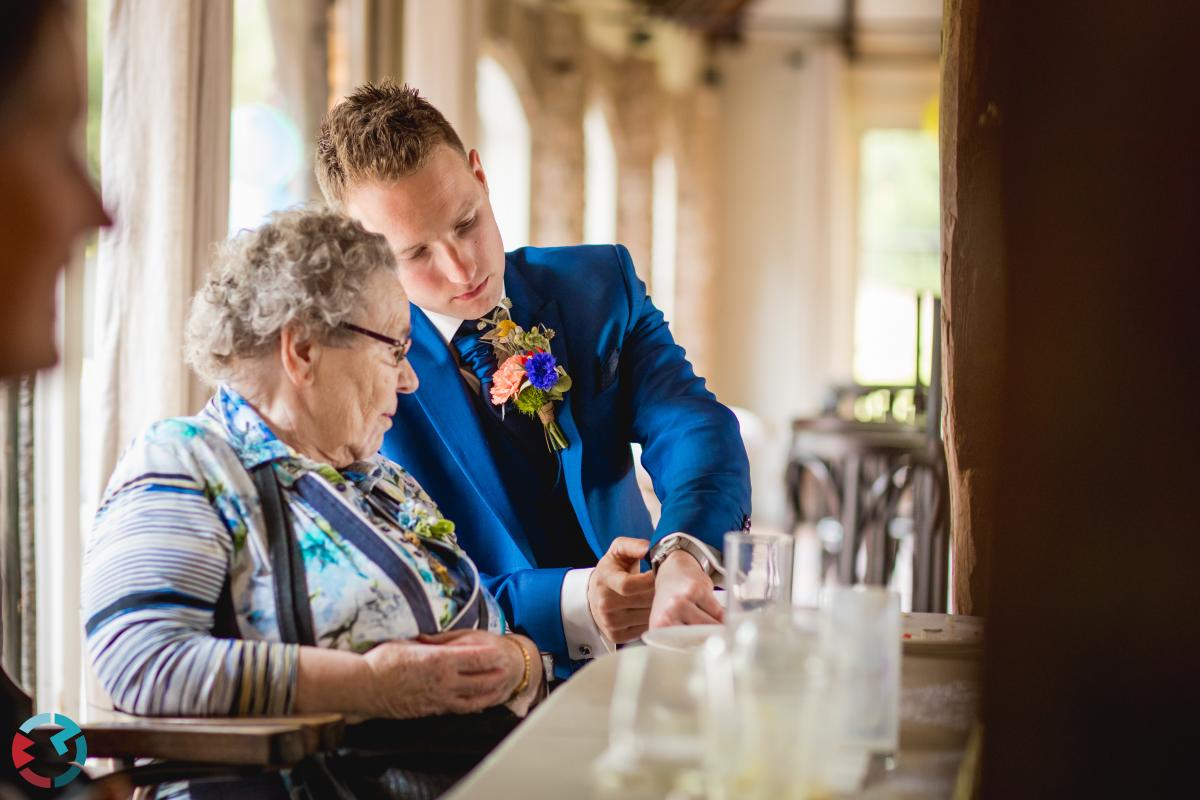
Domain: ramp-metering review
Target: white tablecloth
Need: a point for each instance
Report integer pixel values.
(550, 754)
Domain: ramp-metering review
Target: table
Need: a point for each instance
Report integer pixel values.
(551, 753)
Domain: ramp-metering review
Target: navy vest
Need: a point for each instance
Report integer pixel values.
(534, 482)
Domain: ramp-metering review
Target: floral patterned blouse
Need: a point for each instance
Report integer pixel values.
(181, 517)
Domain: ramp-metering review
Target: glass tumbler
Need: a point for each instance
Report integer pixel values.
(863, 639)
(758, 573)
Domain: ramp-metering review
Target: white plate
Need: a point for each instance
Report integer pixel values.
(941, 633)
(933, 634)
(681, 638)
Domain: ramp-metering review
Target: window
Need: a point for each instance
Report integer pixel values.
(600, 179)
(899, 256)
(505, 151)
(268, 169)
(97, 14)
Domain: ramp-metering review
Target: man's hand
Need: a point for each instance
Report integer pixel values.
(683, 594)
(619, 596)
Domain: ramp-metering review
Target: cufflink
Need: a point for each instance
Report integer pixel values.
(585, 651)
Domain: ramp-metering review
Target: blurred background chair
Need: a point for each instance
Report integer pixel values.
(875, 490)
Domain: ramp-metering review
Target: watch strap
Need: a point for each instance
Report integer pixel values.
(677, 541)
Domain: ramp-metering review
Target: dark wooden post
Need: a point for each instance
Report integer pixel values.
(1083, 224)
(972, 288)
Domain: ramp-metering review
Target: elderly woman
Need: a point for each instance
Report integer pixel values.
(260, 558)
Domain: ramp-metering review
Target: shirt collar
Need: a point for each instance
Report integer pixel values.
(448, 325)
(255, 443)
(245, 430)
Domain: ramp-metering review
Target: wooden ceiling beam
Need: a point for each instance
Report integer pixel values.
(716, 19)
(849, 29)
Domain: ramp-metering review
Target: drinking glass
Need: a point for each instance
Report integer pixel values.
(765, 710)
(863, 639)
(655, 745)
(758, 573)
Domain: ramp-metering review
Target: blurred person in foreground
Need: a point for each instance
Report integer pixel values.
(47, 201)
(47, 205)
(303, 326)
(539, 368)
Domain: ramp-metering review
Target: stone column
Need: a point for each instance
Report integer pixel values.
(637, 102)
(695, 115)
(442, 43)
(557, 132)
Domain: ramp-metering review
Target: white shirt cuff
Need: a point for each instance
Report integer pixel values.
(584, 639)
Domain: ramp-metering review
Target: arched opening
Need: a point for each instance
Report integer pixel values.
(504, 148)
(600, 179)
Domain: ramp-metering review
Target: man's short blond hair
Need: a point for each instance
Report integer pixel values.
(381, 132)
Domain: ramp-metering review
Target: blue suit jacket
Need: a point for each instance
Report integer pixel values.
(631, 383)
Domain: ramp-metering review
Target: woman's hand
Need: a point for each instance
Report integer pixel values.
(534, 690)
(460, 675)
(515, 647)
(458, 672)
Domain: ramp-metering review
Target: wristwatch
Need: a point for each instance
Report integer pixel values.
(677, 542)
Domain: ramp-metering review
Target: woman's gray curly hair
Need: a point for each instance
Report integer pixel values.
(303, 267)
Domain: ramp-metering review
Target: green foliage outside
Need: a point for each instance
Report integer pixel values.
(253, 54)
(899, 255)
(899, 229)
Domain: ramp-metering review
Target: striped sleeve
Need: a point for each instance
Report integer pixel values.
(153, 573)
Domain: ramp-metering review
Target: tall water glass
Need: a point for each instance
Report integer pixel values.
(863, 638)
(655, 733)
(764, 714)
(758, 573)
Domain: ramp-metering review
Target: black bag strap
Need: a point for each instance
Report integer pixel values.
(225, 624)
(445, 745)
(287, 564)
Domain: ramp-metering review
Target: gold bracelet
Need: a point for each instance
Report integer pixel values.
(528, 670)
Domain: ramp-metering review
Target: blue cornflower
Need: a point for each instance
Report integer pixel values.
(542, 369)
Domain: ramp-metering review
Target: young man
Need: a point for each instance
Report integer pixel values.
(533, 518)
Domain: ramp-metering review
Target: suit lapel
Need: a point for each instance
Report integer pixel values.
(529, 308)
(443, 395)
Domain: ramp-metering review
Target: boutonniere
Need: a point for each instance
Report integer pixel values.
(529, 375)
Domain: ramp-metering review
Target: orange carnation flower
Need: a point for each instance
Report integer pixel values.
(508, 379)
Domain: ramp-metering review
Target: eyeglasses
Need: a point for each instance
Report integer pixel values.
(400, 347)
